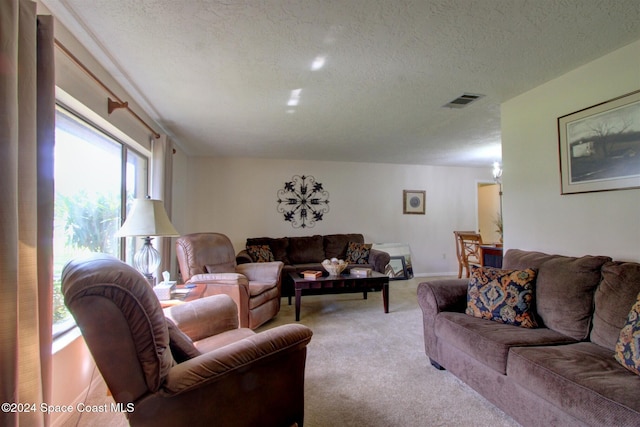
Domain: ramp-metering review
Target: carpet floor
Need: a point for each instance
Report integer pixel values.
(367, 368)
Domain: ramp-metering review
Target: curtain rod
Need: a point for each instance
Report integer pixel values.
(111, 104)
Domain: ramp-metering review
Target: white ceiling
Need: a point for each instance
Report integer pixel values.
(217, 75)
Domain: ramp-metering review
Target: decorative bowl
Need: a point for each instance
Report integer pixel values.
(334, 267)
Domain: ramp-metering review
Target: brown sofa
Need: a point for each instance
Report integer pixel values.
(561, 373)
(307, 253)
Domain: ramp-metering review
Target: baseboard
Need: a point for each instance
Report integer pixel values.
(96, 381)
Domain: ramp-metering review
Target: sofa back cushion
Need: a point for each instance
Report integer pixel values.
(335, 245)
(303, 250)
(565, 288)
(614, 298)
(278, 247)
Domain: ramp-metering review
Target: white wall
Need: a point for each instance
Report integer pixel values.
(536, 216)
(237, 197)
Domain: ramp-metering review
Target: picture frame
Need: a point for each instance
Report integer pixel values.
(398, 268)
(599, 146)
(413, 202)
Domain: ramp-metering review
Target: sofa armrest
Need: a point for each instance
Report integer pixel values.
(435, 297)
(238, 356)
(379, 260)
(231, 278)
(443, 295)
(233, 284)
(268, 272)
(258, 380)
(243, 257)
(205, 317)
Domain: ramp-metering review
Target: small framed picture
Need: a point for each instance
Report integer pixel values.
(413, 202)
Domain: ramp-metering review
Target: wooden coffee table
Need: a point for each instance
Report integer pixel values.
(344, 283)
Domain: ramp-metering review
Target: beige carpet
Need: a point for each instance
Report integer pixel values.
(368, 368)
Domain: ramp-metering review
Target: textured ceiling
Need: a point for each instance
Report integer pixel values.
(218, 75)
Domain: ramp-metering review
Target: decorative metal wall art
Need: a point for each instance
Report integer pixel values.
(303, 201)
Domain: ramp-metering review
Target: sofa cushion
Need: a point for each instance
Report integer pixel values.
(260, 253)
(335, 245)
(489, 342)
(628, 345)
(582, 379)
(564, 288)
(278, 246)
(613, 299)
(358, 253)
(504, 296)
(306, 249)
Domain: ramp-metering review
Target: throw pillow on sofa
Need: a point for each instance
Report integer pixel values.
(358, 253)
(260, 253)
(628, 345)
(278, 246)
(505, 296)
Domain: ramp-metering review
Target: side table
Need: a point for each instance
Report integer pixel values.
(491, 256)
(195, 293)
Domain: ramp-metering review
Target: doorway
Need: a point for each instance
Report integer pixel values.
(489, 216)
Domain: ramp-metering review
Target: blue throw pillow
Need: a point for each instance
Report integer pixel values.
(628, 345)
(505, 296)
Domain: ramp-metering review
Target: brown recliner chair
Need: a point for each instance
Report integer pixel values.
(255, 287)
(204, 372)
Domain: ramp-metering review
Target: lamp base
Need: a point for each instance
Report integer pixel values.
(147, 261)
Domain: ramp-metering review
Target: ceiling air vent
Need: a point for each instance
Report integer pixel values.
(463, 100)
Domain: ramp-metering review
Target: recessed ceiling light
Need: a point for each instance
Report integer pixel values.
(318, 62)
(294, 98)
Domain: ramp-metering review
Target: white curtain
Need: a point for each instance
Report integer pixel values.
(161, 189)
(27, 127)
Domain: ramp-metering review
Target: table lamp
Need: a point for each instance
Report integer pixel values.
(147, 218)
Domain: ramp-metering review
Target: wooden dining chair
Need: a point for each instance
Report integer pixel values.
(467, 250)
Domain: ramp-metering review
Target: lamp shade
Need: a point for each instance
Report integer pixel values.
(147, 218)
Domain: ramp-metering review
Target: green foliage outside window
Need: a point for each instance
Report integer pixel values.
(89, 224)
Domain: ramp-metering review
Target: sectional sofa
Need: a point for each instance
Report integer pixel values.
(558, 371)
(307, 253)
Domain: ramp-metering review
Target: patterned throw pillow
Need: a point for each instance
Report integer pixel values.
(358, 253)
(260, 253)
(628, 345)
(505, 296)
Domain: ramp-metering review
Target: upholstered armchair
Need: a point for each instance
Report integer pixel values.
(255, 287)
(194, 367)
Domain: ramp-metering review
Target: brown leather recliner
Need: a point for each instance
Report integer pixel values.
(193, 368)
(255, 287)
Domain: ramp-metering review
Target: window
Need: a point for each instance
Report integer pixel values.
(96, 179)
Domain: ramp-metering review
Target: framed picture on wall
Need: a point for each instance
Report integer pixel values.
(600, 146)
(413, 202)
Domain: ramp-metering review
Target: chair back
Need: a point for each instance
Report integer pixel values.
(470, 243)
(200, 253)
(456, 235)
(122, 323)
